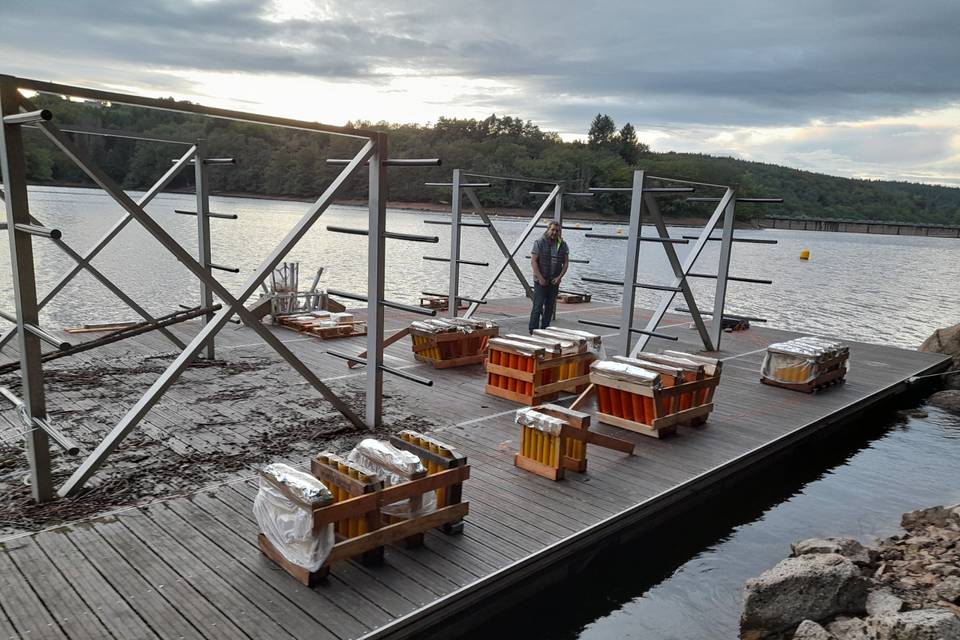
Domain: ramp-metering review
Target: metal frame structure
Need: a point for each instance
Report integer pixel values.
(17, 111)
(643, 197)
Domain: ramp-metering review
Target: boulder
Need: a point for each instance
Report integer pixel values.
(921, 624)
(882, 602)
(932, 517)
(848, 629)
(946, 341)
(949, 589)
(846, 547)
(810, 586)
(948, 400)
(810, 630)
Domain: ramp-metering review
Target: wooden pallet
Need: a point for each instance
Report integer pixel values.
(551, 456)
(663, 404)
(313, 327)
(453, 349)
(440, 303)
(570, 297)
(361, 530)
(535, 379)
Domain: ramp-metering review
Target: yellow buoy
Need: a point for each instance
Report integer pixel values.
(619, 231)
(805, 254)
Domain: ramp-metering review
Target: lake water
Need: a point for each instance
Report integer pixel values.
(873, 288)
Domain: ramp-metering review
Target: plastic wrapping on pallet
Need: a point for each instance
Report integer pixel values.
(549, 345)
(711, 366)
(684, 363)
(421, 325)
(393, 466)
(580, 345)
(522, 347)
(797, 361)
(626, 372)
(449, 325)
(542, 422)
(594, 341)
(288, 524)
(649, 365)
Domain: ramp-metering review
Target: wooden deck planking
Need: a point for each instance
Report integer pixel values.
(202, 548)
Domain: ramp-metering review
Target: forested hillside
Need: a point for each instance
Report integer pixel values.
(282, 162)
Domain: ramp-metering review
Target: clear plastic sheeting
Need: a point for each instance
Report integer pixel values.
(288, 525)
(394, 466)
(799, 361)
(647, 365)
(549, 345)
(542, 422)
(594, 342)
(626, 372)
(524, 348)
(450, 325)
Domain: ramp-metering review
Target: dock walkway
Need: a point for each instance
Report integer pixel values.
(189, 567)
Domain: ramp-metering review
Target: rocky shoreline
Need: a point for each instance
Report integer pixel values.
(905, 588)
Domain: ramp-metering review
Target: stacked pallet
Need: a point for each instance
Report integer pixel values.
(537, 368)
(805, 364)
(451, 342)
(324, 324)
(382, 493)
(653, 393)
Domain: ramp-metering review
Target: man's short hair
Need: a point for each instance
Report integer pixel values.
(553, 223)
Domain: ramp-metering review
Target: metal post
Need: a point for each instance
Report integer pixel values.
(25, 293)
(202, 180)
(558, 209)
(375, 276)
(632, 262)
(454, 288)
(723, 271)
(478, 208)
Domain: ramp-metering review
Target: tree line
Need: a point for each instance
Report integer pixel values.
(273, 161)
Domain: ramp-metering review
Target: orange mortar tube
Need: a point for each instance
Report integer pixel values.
(603, 398)
(639, 410)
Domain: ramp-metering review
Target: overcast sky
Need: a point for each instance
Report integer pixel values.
(848, 87)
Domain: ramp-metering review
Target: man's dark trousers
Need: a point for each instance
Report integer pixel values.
(544, 302)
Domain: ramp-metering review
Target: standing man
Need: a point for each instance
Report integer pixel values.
(549, 258)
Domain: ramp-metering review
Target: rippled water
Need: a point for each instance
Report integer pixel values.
(875, 288)
(888, 289)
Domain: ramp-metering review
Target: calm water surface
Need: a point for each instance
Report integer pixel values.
(887, 289)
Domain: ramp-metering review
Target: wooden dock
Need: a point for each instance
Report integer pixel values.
(189, 566)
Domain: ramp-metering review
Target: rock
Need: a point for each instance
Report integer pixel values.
(922, 624)
(846, 547)
(948, 400)
(810, 586)
(848, 629)
(912, 413)
(932, 517)
(810, 630)
(946, 341)
(883, 601)
(949, 589)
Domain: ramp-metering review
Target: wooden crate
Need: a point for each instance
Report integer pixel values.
(551, 455)
(312, 326)
(440, 303)
(361, 529)
(436, 457)
(451, 349)
(651, 411)
(534, 376)
(571, 297)
(829, 373)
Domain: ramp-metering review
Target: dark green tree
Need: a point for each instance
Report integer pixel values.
(603, 132)
(630, 148)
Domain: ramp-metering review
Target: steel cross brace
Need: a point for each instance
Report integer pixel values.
(84, 260)
(691, 259)
(508, 253)
(232, 305)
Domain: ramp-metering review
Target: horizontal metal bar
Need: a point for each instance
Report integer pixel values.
(69, 447)
(29, 117)
(37, 230)
(210, 214)
(42, 86)
(462, 224)
(753, 200)
(570, 260)
(347, 357)
(38, 332)
(646, 189)
(605, 236)
(444, 295)
(734, 278)
(461, 261)
(387, 303)
(682, 181)
(657, 287)
(595, 323)
(393, 162)
(618, 283)
(116, 133)
(220, 267)
(513, 178)
(427, 382)
(409, 237)
(569, 226)
(725, 315)
(735, 239)
(654, 334)
(610, 236)
(219, 161)
(348, 230)
(464, 185)
(567, 193)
